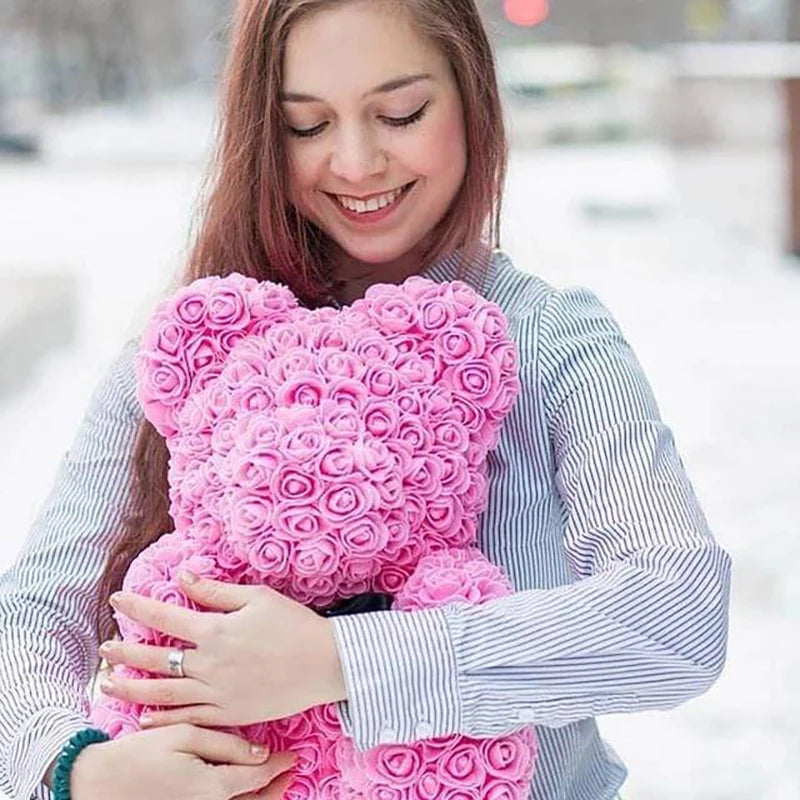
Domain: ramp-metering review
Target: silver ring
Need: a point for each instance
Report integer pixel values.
(175, 661)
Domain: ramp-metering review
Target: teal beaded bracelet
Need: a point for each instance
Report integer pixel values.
(63, 768)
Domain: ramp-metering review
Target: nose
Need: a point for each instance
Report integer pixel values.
(356, 156)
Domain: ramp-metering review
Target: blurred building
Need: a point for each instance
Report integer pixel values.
(646, 22)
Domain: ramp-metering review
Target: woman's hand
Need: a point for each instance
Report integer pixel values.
(181, 762)
(269, 657)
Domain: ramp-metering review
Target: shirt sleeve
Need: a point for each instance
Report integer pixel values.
(644, 624)
(47, 597)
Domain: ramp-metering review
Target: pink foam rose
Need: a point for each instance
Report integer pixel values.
(340, 421)
(291, 484)
(415, 434)
(328, 334)
(337, 364)
(304, 388)
(293, 417)
(366, 537)
(406, 554)
(455, 476)
(284, 336)
(435, 315)
(460, 341)
(271, 556)
(297, 523)
(392, 311)
(318, 556)
(304, 443)
(396, 764)
(337, 462)
(256, 395)
(284, 366)
(461, 294)
(468, 413)
(424, 477)
(370, 346)
(381, 380)
(253, 432)
(477, 379)
(217, 403)
(444, 514)
(391, 579)
(381, 417)
(496, 789)
(449, 435)
(462, 766)
(505, 758)
(162, 383)
(315, 590)
(250, 515)
(347, 499)
(189, 307)
(348, 392)
(255, 472)
(165, 339)
(412, 369)
(428, 787)
(227, 308)
(506, 397)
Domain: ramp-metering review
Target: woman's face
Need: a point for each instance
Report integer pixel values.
(358, 145)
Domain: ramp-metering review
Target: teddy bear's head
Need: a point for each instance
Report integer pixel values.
(324, 452)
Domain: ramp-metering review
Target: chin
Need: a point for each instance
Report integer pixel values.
(373, 251)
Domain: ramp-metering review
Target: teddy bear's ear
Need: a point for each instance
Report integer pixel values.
(189, 337)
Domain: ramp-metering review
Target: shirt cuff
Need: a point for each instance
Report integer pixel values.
(37, 745)
(401, 677)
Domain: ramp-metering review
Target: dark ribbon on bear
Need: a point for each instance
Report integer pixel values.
(359, 604)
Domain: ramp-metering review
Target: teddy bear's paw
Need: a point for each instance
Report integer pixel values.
(450, 576)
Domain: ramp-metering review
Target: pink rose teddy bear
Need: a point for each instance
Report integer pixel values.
(330, 454)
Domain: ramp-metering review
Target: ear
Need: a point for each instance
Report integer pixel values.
(190, 335)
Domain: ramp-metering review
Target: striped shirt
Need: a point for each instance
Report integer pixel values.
(621, 600)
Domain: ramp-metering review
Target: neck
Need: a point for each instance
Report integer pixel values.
(351, 277)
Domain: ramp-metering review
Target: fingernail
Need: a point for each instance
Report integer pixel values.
(106, 685)
(188, 577)
(145, 720)
(105, 648)
(258, 750)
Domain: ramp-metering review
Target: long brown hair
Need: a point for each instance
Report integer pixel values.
(247, 225)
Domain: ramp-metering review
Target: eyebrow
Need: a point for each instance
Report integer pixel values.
(389, 86)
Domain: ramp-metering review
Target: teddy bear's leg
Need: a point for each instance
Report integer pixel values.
(452, 766)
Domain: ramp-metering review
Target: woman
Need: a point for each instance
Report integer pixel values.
(331, 110)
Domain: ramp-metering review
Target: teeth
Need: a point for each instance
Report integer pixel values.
(373, 204)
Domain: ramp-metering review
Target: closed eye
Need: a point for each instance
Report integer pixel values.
(394, 122)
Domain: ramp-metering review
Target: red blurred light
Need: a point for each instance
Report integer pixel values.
(526, 12)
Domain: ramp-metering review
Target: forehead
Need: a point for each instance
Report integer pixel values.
(347, 50)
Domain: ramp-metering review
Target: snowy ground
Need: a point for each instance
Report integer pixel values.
(683, 248)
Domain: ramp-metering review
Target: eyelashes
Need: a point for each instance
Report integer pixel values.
(394, 122)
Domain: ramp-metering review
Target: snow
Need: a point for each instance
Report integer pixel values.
(684, 249)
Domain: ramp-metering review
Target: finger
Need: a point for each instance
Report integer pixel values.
(274, 791)
(145, 656)
(238, 780)
(156, 691)
(174, 620)
(207, 715)
(217, 747)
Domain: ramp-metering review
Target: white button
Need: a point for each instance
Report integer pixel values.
(387, 736)
(424, 730)
(525, 715)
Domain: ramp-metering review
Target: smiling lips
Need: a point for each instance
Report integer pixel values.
(370, 203)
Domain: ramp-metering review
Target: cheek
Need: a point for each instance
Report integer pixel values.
(443, 150)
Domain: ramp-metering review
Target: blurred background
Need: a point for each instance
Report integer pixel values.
(655, 159)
